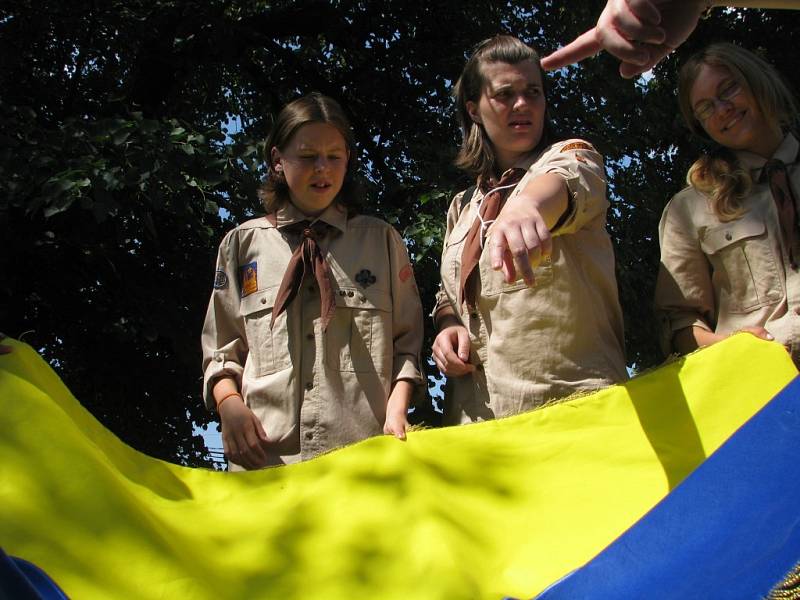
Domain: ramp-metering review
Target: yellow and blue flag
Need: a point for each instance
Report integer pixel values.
(498, 509)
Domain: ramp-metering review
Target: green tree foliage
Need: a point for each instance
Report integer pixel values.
(131, 140)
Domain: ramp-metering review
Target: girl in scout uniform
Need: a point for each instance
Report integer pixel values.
(528, 309)
(729, 241)
(313, 331)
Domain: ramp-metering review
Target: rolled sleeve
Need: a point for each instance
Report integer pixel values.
(407, 325)
(582, 168)
(684, 295)
(223, 340)
(443, 301)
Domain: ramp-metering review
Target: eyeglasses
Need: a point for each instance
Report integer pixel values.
(706, 109)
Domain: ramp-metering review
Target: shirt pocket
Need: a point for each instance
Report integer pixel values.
(359, 337)
(269, 348)
(745, 270)
(493, 282)
(451, 256)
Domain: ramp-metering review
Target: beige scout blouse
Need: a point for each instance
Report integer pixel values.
(565, 333)
(725, 276)
(314, 390)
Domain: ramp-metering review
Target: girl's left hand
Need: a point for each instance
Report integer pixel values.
(396, 425)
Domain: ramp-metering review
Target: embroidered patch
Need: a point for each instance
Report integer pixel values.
(365, 278)
(405, 273)
(249, 276)
(577, 146)
(220, 280)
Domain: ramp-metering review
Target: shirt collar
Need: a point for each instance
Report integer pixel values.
(523, 162)
(335, 216)
(526, 161)
(786, 152)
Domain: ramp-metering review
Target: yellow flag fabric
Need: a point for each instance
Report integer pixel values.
(479, 511)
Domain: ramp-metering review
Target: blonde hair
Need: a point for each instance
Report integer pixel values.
(313, 108)
(476, 155)
(719, 174)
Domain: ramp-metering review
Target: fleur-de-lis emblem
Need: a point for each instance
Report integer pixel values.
(365, 278)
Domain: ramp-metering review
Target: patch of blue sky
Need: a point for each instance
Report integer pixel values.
(212, 437)
(231, 127)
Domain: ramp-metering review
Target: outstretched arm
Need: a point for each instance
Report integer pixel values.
(520, 237)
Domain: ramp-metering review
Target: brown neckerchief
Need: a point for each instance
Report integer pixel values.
(782, 193)
(306, 258)
(489, 209)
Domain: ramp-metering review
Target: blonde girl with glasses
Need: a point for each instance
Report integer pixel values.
(729, 241)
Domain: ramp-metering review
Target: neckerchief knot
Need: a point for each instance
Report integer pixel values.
(307, 260)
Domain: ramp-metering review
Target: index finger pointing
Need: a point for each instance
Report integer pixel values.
(583, 46)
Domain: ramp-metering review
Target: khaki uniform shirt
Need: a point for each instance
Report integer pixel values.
(723, 276)
(565, 333)
(314, 390)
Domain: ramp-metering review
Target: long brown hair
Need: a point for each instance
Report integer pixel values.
(477, 155)
(313, 108)
(719, 174)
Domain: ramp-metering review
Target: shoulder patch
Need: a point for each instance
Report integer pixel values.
(406, 273)
(249, 277)
(577, 146)
(220, 280)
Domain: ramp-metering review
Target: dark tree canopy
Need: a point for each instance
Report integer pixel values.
(131, 139)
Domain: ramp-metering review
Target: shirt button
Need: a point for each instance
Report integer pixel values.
(263, 301)
(309, 435)
(309, 336)
(473, 315)
(350, 293)
(362, 298)
(309, 386)
(218, 358)
(728, 236)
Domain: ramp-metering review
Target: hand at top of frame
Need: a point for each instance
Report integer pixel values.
(638, 32)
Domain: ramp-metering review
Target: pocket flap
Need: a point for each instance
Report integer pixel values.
(459, 232)
(258, 301)
(717, 238)
(364, 299)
